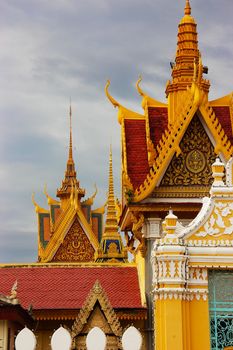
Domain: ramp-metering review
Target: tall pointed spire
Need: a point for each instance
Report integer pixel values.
(187, 52)
(111, 247)
(70, 179)
(111, 227)
(187, 9)
(70, 168)
(71, 145)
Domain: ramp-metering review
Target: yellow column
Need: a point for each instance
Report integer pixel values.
(3, 335)
(140, 261)
(169, 324)
(199, 324)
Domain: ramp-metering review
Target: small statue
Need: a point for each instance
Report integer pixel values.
(138, 223)
(13, 294)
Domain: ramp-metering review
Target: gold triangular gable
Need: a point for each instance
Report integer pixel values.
(62, 228)
(97, 297)
(190, 170)
(76, 246)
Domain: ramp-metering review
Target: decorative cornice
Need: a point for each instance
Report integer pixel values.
(181, 294)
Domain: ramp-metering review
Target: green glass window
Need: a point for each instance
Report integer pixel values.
(221, 308)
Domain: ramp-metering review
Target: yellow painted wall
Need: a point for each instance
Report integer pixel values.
(199, 324)
(168, 324)
(182, 325)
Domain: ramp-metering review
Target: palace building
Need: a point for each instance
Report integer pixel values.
(176, 222)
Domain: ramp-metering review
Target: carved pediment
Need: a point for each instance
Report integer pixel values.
(97, 311)
(75, 246)
(190, 173)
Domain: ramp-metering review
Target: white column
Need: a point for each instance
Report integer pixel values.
(152, 228)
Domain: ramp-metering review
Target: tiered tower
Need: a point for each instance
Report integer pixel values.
(111, 248)
(70, 179)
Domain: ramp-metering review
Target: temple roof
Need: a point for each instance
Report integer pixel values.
(136, 143)
(68, 287)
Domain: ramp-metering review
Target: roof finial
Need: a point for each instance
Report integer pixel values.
(187, 9)
(111, 247)
(110, 183)
(111, 227)
(64, 192)
(71, 145)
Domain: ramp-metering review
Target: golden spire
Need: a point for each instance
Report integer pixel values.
(70, 169)
(71, 146)
(186, 52)
(111, 227)
(111, 247)
(70, 174)
(187, 9)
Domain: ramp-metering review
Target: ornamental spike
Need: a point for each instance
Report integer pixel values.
(187, 9)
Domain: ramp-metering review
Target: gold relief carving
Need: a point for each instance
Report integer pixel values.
(138, 223)
(193, 166)
(104, 314)
(76, 246)
(97, 319)
(195, 161)
(113, 248)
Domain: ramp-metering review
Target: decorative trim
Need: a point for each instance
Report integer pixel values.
(181, 294)
(97, 293)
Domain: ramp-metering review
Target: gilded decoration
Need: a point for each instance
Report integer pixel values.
(136, 234)
(76, 246)
(97, 311)
(193, 166)
(220, 221)
(195, 161)
(113, 248)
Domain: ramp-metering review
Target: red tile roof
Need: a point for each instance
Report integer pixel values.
(158, 120)
(136, 148)
(224, 117)
(68, 287)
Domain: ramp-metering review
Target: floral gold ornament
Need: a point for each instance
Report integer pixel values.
(193, 165)
(195, 161)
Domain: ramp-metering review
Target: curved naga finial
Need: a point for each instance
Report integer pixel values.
(50, 199)
(90, 200)
(38, 209)
(138, 87)
(111, 99)
(34, 202)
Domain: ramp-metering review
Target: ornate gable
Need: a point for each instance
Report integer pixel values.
(75, 246)
(189, 174)
(97, 311)
(213, 226)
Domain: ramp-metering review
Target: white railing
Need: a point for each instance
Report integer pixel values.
(61, 339)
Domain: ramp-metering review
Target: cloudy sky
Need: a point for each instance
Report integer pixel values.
(51, 50)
